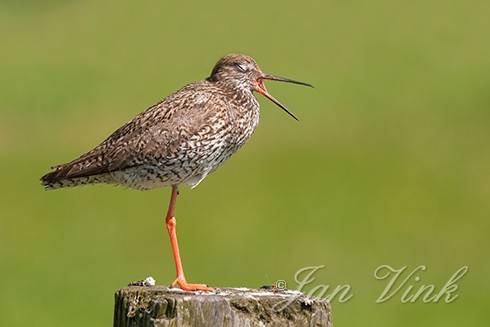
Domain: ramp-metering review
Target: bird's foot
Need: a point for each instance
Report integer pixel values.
(183, 285)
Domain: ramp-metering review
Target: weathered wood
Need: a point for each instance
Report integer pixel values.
(160, 306)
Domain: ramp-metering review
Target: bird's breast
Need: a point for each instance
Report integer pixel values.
(244, 118)
(225, 130)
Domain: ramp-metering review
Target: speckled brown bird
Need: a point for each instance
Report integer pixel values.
(179, 140)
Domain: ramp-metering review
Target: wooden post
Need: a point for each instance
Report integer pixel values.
(140, 306)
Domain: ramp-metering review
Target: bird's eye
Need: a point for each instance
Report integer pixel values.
(241, 67)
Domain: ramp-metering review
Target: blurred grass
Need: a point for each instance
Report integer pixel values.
(389, 164)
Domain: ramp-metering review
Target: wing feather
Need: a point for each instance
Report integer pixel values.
(155, 133)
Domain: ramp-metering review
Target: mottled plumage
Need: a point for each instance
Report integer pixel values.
(181, 139)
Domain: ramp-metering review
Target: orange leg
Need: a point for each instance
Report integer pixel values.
(171, 222)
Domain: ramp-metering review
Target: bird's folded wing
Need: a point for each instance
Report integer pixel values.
(152, 136)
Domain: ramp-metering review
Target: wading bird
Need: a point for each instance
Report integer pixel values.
(179, 140)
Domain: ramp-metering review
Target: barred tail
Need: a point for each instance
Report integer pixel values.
(56, 179)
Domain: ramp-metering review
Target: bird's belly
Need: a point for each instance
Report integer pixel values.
(209, 163)
(191, 167)
(146, 177)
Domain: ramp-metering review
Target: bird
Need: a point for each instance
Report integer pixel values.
(178, 141)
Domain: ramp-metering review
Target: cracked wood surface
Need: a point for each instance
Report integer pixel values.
(161, 306)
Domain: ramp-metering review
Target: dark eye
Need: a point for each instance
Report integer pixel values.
(241, 67)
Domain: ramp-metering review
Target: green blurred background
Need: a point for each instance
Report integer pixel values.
(388, 165)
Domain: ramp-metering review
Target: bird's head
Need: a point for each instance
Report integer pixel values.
(242, 72)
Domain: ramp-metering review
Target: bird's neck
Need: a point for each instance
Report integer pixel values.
(234, 85)
(239, 93)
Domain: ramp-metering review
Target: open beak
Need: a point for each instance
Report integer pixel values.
(260, 88)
